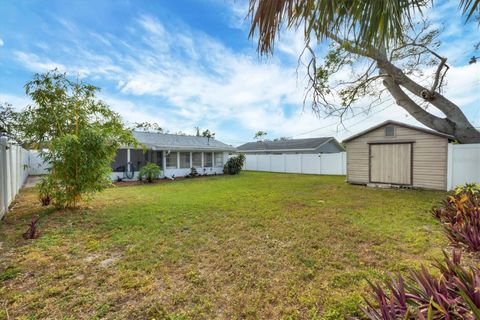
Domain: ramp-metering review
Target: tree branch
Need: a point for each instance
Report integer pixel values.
(403, 100)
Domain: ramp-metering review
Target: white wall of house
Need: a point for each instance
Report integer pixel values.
(176, 170)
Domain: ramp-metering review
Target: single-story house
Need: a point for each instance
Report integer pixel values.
(175, 154)
(293, 146)
(395, 153)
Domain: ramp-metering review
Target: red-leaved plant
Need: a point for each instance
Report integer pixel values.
(32, 231)
(454, 294)
(460, 217)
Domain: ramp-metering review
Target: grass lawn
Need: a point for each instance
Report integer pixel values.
(257, 245)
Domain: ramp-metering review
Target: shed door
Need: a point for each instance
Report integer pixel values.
(391, 163)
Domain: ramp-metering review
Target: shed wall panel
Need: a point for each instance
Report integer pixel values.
(429, 156)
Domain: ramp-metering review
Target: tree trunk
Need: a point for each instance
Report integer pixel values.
(455, 123)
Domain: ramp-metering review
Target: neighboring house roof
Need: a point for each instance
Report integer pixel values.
(401, 124)
(288, 145)
(163, 141)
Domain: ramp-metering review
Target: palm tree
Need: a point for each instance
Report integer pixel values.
(373, 23)
(383, 33)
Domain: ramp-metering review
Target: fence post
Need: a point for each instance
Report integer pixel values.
(450, 167)
(3, 178)
(319, 163)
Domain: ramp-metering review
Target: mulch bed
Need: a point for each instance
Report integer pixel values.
(164, 180)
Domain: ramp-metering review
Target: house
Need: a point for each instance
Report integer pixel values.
(293, 146)
(395, 153)
(175, 154)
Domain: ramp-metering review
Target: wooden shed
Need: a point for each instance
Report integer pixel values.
(394, 153)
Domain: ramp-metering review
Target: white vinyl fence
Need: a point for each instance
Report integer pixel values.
(325, 163)
(13, 172)
(463, 164)
(36, 165)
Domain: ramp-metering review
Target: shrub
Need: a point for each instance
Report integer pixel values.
(451, 295)
(468, 188)
(45, 191)
(150, 172)
(80, 132)
(460, 218)
(234, 165)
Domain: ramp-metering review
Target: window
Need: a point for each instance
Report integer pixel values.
(184, 159)
(137, 158)
(171, 160)
(120, 162)
(196, 159)
(218, 159)
(154, 157)
(390, 131)
(208, 159)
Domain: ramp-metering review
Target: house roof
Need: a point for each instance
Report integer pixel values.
(286, 145)
(401, 124)
(164, 141)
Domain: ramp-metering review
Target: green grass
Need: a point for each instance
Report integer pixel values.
(257, 245)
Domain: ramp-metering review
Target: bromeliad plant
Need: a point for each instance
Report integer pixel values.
(454, 294)
(460, 217)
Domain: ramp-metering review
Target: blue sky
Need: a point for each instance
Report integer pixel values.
(190, 63)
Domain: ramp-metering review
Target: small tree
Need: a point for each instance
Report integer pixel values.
(208, 134)
(260, 135)
(148, 127)
(8, 121)
(150, 172)
(234, 165)
(80, 133)
(375, 48)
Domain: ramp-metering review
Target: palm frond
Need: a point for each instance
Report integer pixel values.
(371, 23)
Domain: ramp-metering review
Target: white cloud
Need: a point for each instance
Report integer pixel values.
(197, 80)
(1, 42)
(35, 63)
(17, 102)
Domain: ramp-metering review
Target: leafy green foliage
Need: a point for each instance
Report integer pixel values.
(234, 165)
(468, 188)
(452, 295)
(80, 133)
(150, 172)
(208, 134)
(148, 127)
(8, 121)
(80, 165)
(260, 135)
(44, 191)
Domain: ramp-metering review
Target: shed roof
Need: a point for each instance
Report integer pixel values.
(401, 124)
(294, 144)
(179, 142)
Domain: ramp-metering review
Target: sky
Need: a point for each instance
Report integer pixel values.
(190, 63)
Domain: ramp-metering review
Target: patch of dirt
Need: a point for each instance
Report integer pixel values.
(108, 262)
